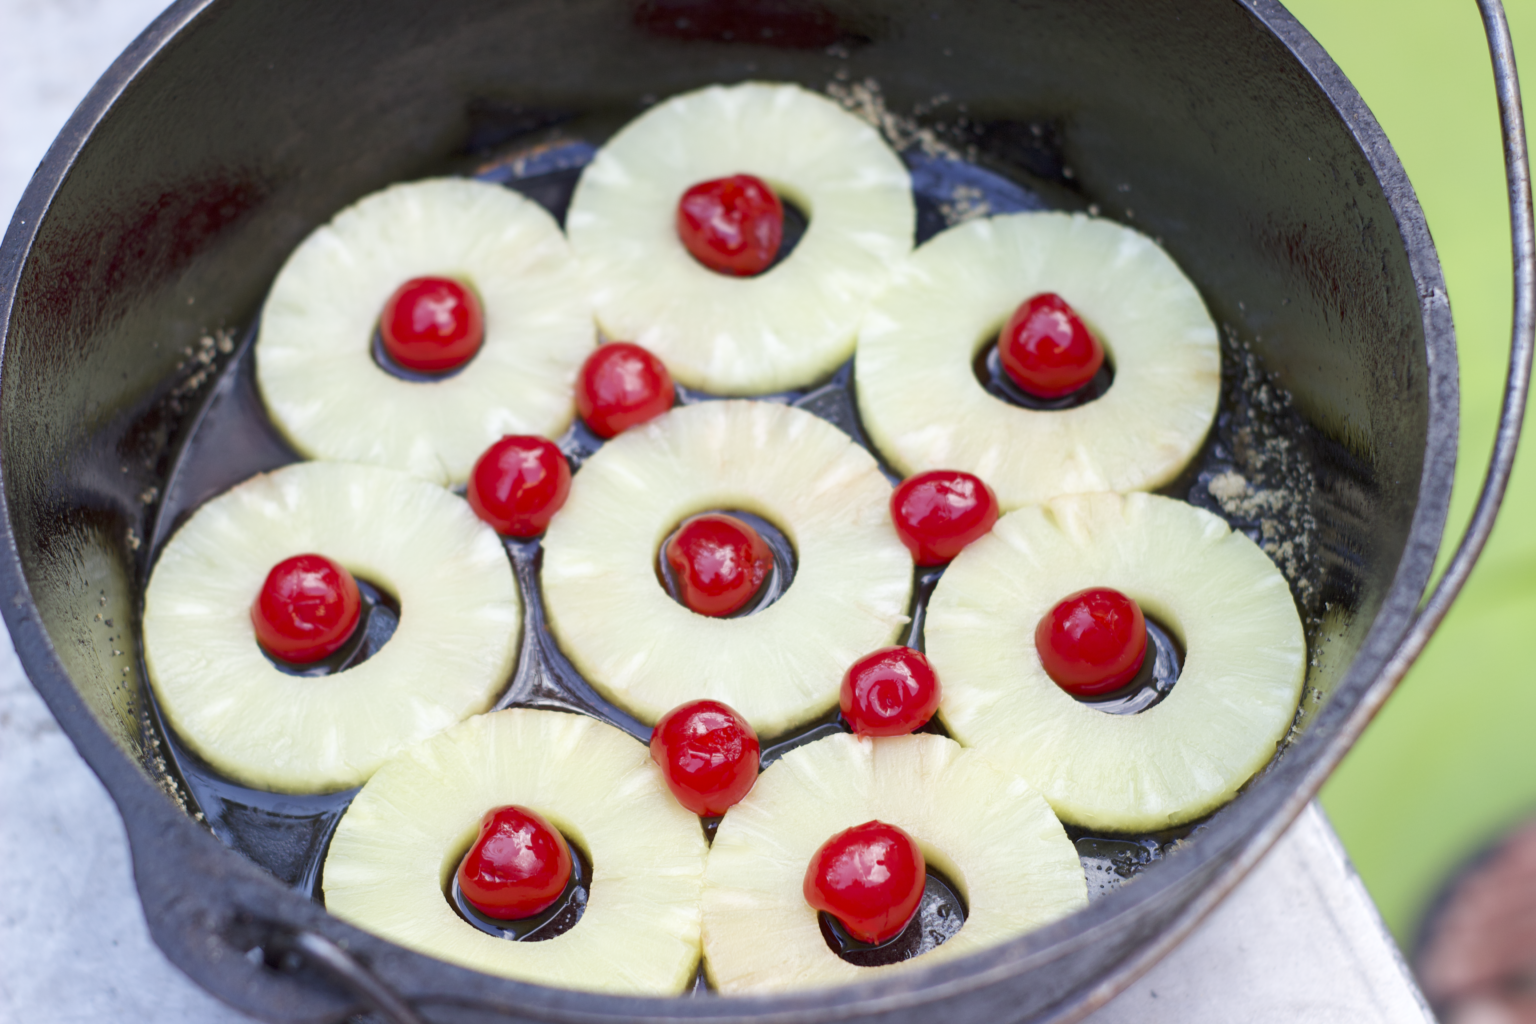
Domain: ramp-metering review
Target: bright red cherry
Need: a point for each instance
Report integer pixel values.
(306, 610)
(519, 865)
(889, 693)
(1047, 349)
(939, 512)
(1092, 642)
(519, 484)
(432, 324)
(731, 225)
(621, 385)
(870, 877)
(708, 755)
(719, 563)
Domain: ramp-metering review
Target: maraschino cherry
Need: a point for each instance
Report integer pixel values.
(889, 693)
(306, 610)
(731, 225)
(620, 386)
(939, 512)
(519, 484)
(1093, 642)
(1047, 349)
(518, 866)
(432, 325)
(708, 754)
(719, 563)
(870, 877)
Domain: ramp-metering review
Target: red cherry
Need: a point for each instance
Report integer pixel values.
(1047, 349)
(432, 324)
(306, 610)
(889, 693)
(870, 877)
(939, 512)
(621, 385)
(708, 755)
(719, 563)
(519, 484)
(519, 865)
(731, 225)
(1092, 642)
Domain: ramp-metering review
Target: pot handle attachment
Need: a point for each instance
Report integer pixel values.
(344, 969)
(1517, 171)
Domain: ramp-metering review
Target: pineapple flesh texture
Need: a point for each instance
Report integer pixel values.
(453, 651)
(1214, 588)
(925, 409)
(391, 863)
(779, 666)
(987, 829)
(314, 353)
(794, 323)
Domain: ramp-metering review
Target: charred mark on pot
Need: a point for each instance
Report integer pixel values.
(785, 24)
(153, 238)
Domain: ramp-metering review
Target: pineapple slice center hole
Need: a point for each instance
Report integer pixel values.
(796, 223)
(779, 577)
(1154, 681)
(386, 362)
(376, 623)
(557, 919)
(939, 918)
(988, 367)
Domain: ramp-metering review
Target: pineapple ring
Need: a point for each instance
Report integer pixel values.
(453, 651)
(985, 828)
(925, 409)
(777, 667)
(1181, 758)
(400, 841)
(314, 354)
(795, 322)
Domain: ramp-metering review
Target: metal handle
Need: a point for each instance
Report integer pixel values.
(1517, 169)
(345, 969)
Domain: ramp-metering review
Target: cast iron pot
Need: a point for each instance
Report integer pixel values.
(234, 127)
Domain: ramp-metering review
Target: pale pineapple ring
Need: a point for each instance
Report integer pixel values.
(925, 409)
(988, 830)
(779, 666)
(785, 327)
(393, 855)
(1220, 594)
(314, 355)
(453, 651)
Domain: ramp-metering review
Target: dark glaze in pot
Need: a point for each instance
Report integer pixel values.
(231, 129)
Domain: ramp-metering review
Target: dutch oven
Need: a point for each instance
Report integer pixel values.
(141, 251)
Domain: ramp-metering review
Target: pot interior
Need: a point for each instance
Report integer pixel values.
(127, 398)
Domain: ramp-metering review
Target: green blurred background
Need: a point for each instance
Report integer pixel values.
(1450, 764)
